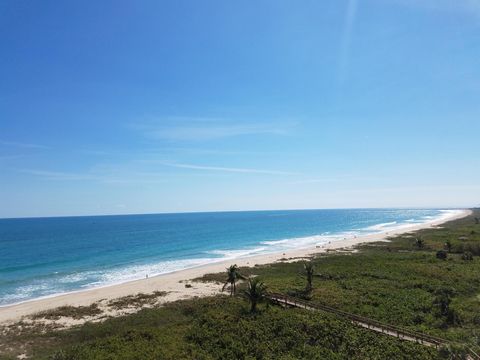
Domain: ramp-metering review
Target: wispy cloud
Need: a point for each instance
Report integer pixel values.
(57, 175)
(227, 169)
(198, 151)
(313, 181)
(22, 145)
(107, 177)
(203, 129)
(139, 172)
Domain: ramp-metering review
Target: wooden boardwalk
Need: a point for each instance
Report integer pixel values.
(371, 324)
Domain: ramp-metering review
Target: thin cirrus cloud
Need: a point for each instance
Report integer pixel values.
(58, 175)
(132, 177)
(314, 181)
(143, 178)
(227, 169)
(200, 129)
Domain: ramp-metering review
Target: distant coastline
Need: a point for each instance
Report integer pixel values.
(174, 282)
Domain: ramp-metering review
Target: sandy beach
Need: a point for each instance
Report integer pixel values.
(174, 283)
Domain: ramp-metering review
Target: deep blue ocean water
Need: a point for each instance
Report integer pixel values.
(46, 256)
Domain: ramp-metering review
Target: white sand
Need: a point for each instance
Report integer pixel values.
(174, 283)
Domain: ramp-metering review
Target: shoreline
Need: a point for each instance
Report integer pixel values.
(174, 283)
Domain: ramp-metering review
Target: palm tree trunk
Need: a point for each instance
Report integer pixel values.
(309, 283)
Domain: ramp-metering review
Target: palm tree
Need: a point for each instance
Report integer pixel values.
(232, 277)
(255, 292)
(309, 270)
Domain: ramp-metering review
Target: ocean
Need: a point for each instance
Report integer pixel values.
(42, 257)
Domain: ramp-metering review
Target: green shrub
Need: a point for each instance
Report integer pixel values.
(442, 255)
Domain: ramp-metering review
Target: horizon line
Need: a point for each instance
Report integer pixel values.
(251, 210)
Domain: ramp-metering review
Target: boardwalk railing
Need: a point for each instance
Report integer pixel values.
(391, 330)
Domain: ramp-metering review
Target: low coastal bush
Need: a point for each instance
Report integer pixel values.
(471, 247)
(442, 255)
(223, 328)
(74, 312)
(467, 256)
(137, 300)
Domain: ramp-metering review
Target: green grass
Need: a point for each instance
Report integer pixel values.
(393, 282)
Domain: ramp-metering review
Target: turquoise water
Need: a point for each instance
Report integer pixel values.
(45, 256)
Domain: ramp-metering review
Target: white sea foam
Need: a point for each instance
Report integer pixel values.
(25, 292)
(75, 277)
(135, 272)
(275, 242)
(91, 279)
(383, 226)
(449, 213)
(233, 254)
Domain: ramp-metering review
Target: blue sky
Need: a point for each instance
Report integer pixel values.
(111, 107)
